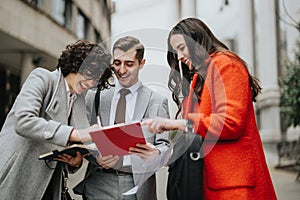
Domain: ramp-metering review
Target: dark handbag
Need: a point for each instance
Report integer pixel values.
(185, 180)
(65, 195)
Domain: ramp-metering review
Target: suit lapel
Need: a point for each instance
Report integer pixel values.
(78, 119)
(58, 106)
(105, 105)
(142, 101)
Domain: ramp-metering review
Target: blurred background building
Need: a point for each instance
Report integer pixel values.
(263, 33)
(33, 33)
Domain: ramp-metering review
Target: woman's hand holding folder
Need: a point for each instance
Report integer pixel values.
(83, 135)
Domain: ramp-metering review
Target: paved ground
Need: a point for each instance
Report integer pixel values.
(284, 181)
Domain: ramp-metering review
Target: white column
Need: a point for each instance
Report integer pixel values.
(245, 34)
(266, 54)
(188, 8)
(26, 66)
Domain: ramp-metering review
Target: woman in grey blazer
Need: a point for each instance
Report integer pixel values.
(48, 114)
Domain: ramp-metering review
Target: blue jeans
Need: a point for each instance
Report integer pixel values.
(108, 186)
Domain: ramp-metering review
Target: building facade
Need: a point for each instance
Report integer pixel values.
(263, 33)
(34, 32)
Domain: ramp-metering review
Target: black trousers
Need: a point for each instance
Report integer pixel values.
(52, 186)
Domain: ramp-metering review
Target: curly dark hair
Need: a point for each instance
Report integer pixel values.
(89, 59)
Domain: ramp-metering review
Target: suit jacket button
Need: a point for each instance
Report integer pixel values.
(48, 135)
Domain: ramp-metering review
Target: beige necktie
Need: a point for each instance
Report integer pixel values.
(121, 106)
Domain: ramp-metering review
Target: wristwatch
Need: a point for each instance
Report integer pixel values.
(188, 126)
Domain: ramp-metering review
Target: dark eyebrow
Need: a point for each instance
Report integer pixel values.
(126, 61)
(179, 45)
(129, 61)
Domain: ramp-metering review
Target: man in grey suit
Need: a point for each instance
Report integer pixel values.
(112, 175)
(47, 114)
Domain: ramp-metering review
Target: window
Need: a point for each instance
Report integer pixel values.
(58, 10)
(3, 99)
(9, 89)
(36, 3)
(68, 14)
(82, 26)
(62, 12)
(97, 37)
(87, 26)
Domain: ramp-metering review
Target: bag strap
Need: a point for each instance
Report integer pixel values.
(195, 151)
(65, 177)
(189, 105)
(97, 101)
(194, 140)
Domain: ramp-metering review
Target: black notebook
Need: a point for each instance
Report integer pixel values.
(71, 150)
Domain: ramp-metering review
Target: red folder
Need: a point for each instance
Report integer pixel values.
(116, 140)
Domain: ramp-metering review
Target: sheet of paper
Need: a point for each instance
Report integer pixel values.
(131, 191)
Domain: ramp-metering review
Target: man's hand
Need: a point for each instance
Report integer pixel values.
(108, 161)
(73, 161)
(145, 151)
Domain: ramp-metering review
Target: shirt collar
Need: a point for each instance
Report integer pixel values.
(67, 86)
(74, 95)
(132, 89)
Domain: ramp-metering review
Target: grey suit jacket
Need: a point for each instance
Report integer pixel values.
(36, 124)
(149, 104)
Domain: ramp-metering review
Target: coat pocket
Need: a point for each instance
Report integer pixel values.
(7, 168)
(230, 166)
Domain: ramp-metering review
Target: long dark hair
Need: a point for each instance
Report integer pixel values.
(201, 43)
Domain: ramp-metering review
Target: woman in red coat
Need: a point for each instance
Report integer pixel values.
(218, 91)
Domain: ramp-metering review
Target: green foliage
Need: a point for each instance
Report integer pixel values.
(290, 90)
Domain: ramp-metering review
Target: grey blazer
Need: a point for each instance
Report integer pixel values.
(35, 125)
(148, 105)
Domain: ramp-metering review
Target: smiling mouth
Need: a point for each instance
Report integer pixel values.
(83, 86)
(186, 60)
(123, 76)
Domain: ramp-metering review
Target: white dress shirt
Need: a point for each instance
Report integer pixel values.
(130, 102)
(130, 106)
